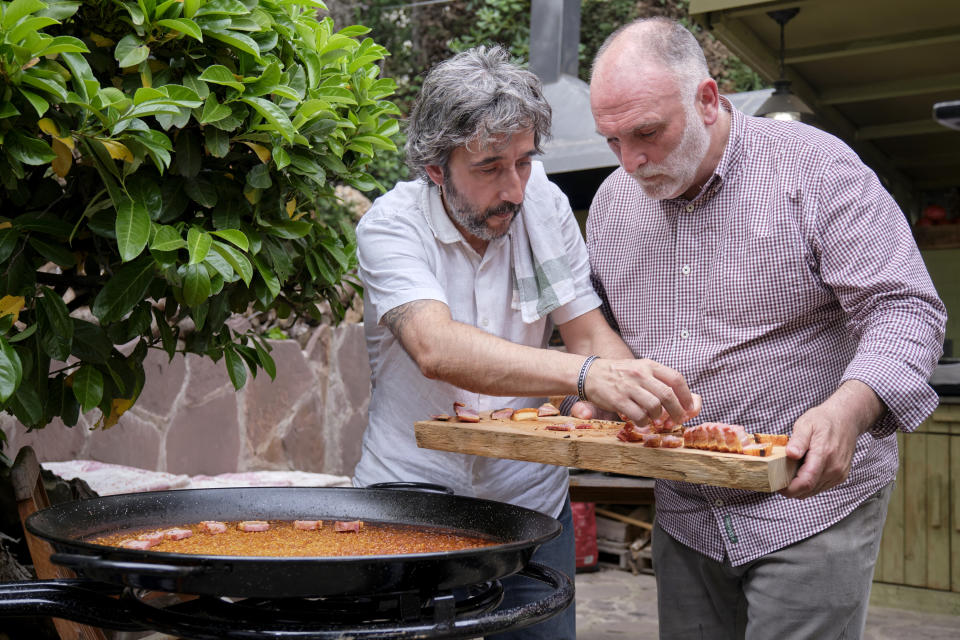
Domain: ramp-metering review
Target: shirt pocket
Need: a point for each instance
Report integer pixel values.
(764, 281)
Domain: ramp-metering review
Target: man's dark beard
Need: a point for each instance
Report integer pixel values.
(467, 217)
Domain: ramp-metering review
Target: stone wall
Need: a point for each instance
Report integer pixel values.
(190, 420)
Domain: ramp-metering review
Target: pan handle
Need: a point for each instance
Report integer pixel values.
(98, 563)
(426, 487)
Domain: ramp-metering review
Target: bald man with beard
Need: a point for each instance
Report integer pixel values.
(766, 263)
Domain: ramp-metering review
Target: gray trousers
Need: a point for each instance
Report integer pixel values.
(816, 589)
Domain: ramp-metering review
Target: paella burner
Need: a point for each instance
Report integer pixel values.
(461, 613)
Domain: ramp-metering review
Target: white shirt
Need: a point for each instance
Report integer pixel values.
(410, 250)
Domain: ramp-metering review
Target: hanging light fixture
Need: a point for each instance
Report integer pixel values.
(783, 104)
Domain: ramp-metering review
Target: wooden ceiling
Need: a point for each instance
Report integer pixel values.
(870, 69)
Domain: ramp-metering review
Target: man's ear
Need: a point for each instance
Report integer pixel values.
(435, 173)
(708, 101)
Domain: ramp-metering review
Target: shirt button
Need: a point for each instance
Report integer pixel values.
(685, 269)
(718, 502)
(684, 333)
(689, 208)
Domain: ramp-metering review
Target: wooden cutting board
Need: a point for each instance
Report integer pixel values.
(599, 450)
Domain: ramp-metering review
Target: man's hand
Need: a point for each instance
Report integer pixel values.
(641, 390)
(825, 436)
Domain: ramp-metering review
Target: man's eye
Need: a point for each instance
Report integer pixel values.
(613, 142)
(488, 170)
(645, 134)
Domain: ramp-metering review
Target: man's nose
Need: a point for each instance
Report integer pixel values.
(632, 158)
(512, 188)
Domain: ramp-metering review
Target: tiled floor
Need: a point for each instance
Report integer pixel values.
(615, 605)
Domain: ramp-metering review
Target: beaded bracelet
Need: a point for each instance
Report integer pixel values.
(583, 376)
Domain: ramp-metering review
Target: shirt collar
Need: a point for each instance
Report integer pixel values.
(440, 223)
(730, 159)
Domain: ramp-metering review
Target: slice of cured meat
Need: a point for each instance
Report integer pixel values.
(213, 527)
(308, 525)
(465, 413)
(547, 409)
(251, 526)
(502, 414)
(527, 413)
(177, 534)
(352, 526)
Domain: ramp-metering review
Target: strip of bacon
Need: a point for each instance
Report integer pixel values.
(651, 440)
(669, 441)
(213, 527)
(251, 526)
(440, 416)
(308, 525)
(566, 426)
(465, 413)
(778, 439)
(527, 413)
(632, 433)
(354, 526)
(153, 537)
(502, 414)
(547, 409)
(177, 534)
(759, 449)
(141, 545)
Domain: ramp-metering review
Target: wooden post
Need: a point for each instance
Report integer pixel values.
(31, 496)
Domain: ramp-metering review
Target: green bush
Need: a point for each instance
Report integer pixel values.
(164, 164)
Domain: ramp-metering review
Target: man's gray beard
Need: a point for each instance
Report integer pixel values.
(472, 220)
(678, 170)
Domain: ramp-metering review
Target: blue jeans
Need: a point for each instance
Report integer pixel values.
(559, 554)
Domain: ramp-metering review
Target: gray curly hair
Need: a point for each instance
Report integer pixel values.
(470, 99)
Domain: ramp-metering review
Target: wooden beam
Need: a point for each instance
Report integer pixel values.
(898, 129)
(891, 89)
(927, 160)
(743, 12)
(874, 45)
(745, 44)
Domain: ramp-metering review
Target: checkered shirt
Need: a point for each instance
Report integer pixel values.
(792, 271)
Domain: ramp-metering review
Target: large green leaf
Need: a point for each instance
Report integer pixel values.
(237, 40)
(124, 290)
(235, 367)
(198, 244)
(233, 236)
(27, 149)
(131, 51)
(57, 254)
(56, 333)
(88, 387)
(132, 228)
(183, 25)
(13, 11)
(167, 238)
(27, 406)
(90, 342)
(274, 115)
(196, 285)
(219, 74)
(237, 260)
(11, 371)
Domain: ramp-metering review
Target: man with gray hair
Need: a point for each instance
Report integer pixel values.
(780, 278)
(466, 270)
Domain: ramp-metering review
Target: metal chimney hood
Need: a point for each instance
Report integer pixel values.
(554, 49)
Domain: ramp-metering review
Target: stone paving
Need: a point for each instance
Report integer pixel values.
(613, 605)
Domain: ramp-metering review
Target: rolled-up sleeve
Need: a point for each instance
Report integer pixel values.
(871, 261)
